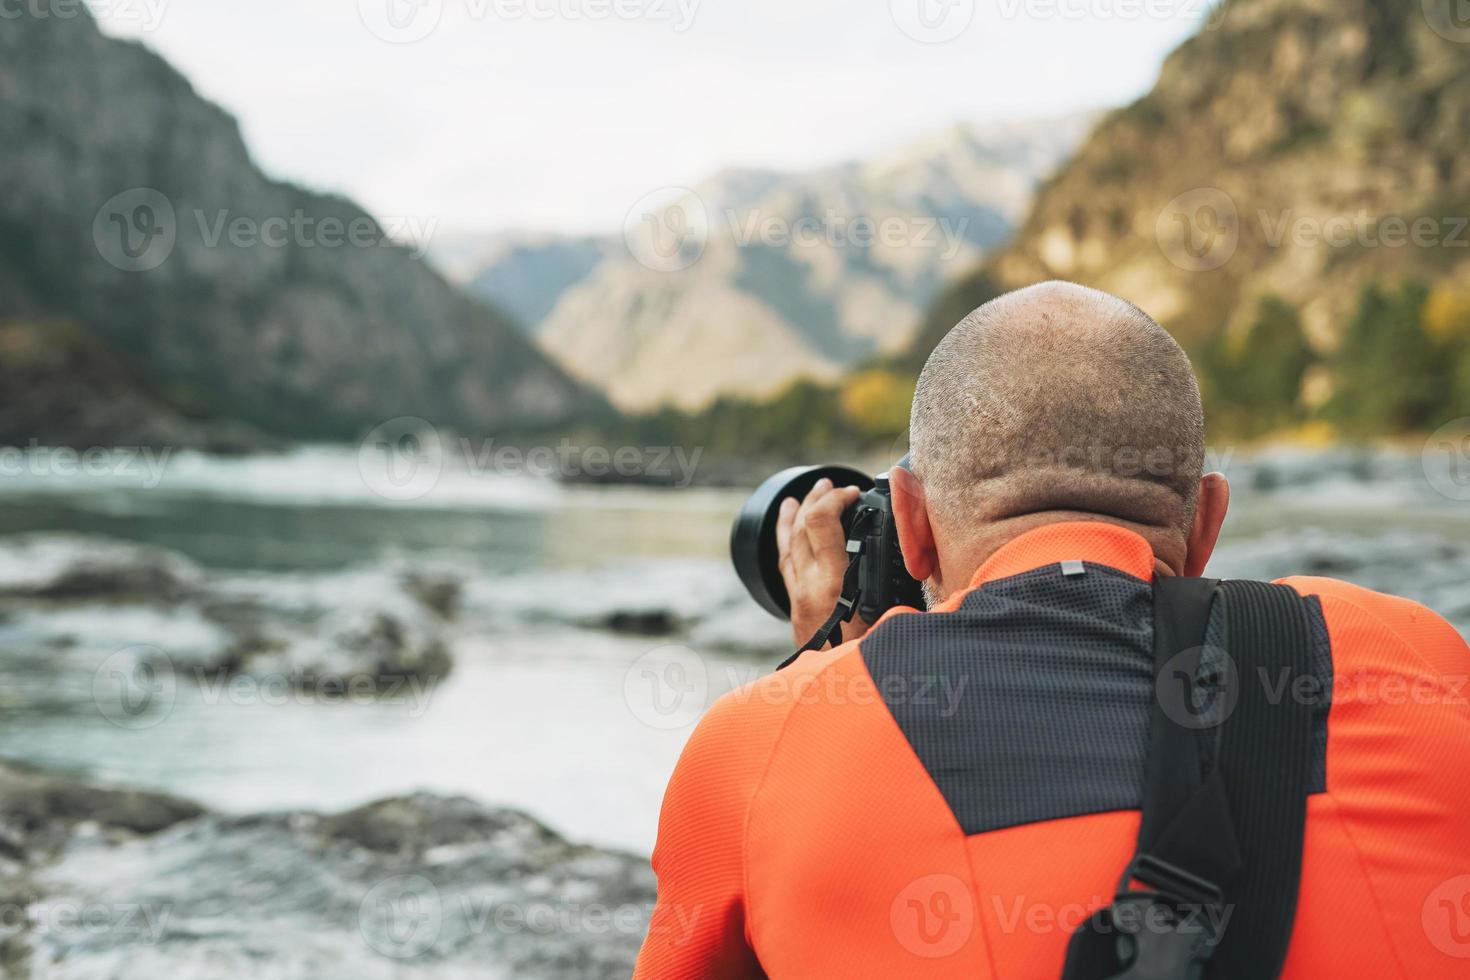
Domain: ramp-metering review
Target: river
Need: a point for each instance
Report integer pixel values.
(575, 604)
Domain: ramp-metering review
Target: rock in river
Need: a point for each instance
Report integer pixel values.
(93, 597)
(125, 885)
(76, 567)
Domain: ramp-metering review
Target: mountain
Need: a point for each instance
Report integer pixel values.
(522, 273)
(61, 386)
(1292, 156)
(1289, 200)
(129, 205)
(789, 274)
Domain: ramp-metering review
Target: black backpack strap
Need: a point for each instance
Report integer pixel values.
(1266, 754)
(1220, 845)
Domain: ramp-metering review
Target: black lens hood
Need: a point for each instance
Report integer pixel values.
(753, 537)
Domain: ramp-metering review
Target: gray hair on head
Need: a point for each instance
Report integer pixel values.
(1058, 397)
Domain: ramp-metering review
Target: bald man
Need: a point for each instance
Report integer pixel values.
(951, 793)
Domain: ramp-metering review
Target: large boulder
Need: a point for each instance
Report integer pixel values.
(134, 886)
(75, 567)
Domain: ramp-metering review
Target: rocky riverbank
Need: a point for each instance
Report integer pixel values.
(98, 882)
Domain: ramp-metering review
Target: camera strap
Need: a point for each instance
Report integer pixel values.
(846, 605)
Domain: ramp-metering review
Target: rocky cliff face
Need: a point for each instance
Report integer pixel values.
(784, 274)
(129, 205)
(1293, 147)
(62, 386)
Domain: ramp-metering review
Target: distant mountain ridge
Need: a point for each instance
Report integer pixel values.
(130, 206)
(797, 274)
(522, 273)
(1290, 200)
(1287, 151)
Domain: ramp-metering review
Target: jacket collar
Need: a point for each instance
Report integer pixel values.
(1097, 542)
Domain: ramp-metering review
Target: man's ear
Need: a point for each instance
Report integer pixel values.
(911, 514)
(1214, 501)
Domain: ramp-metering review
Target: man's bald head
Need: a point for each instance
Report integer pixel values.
(1057, 397)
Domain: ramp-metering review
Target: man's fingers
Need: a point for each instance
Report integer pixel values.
(801, 545)
(822, 522)
(811, 543)
(785, 521)
(837, 500)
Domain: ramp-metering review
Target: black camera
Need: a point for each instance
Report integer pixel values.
(876, 580)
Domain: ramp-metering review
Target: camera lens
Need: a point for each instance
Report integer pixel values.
(753, 538)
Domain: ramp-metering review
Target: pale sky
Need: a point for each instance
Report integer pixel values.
(560, 114)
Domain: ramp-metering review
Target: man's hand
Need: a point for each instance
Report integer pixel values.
(814, 557)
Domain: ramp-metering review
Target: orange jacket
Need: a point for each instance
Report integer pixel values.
(803, 836)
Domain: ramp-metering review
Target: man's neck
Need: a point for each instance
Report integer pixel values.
(960, 560)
